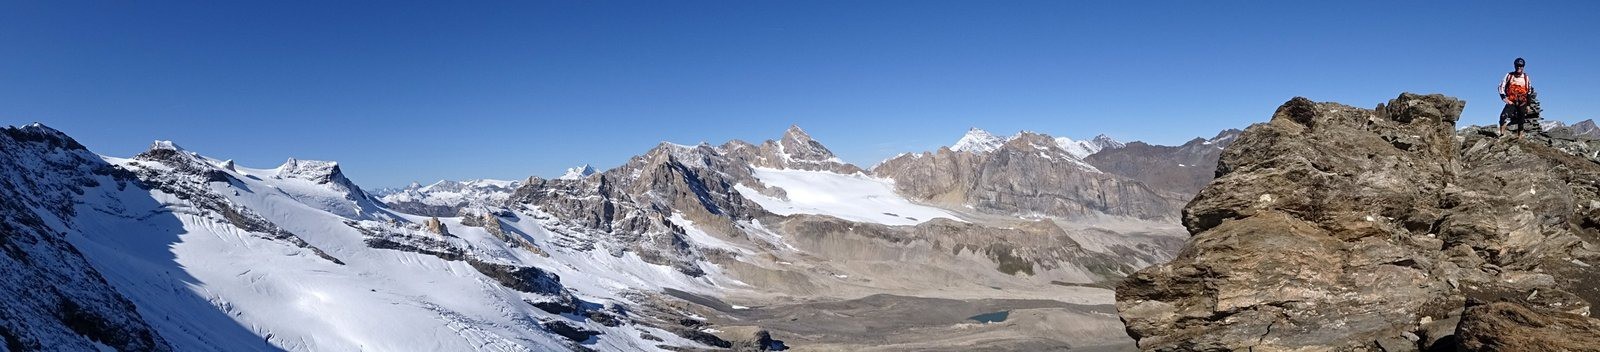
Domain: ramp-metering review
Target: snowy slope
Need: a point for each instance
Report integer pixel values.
(221, 257)
(851, 197)
(217, 256)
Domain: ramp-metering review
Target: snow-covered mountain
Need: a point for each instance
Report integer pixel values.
(1082, 149)
(738, 246)
(578, 172)
(217, 256)
(977, 141)
(448, 198)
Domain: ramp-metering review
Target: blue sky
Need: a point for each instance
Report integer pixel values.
(398, 92)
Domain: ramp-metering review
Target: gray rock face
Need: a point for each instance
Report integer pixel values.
(627, 208)
(1182, 169)
(1586, 128)
(1029, 174)
(56, 300)
(1337, 228)
(796, 150)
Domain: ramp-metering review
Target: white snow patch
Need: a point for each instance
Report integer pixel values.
(700, 237)
(854, 197)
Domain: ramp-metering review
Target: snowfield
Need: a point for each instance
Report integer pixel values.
(208, 285)
(854, 197)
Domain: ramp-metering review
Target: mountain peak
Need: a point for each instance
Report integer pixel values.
(1224, 138)
(165, 145)
(39, 132)
(794, 133)
(1106, 142)
(1585, 124)
(315, 170)
(169, 152)
(1585, 128)
(578, 172)
(977, 141)
(798, 146)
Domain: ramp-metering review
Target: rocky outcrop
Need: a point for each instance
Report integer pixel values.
(434, 226)
(1332, 227)
(1505, 326)
(1029, 174)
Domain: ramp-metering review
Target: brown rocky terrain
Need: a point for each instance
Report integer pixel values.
(1028, 175)
(1336, 228)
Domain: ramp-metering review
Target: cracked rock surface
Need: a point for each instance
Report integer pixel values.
(1337, 228)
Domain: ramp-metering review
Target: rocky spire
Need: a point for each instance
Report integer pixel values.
(797, 145)
(435, 226)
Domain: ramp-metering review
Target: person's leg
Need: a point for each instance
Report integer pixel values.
(1519, 121)
(1505, 117)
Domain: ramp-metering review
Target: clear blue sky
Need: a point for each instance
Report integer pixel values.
(410, 91)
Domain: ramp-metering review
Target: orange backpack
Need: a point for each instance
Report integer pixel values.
(1518, 93)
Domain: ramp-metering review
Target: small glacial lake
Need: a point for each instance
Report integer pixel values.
(991, 317)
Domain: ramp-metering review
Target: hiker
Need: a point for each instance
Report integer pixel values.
(1514, 89)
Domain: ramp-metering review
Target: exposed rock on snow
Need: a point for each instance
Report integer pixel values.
(434, 226)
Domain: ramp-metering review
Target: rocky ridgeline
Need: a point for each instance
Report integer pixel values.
(1337, 228)
(628, 208)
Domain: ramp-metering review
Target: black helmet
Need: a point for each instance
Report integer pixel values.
(1521, 63)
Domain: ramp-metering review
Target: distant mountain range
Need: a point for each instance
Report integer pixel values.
(737, 245)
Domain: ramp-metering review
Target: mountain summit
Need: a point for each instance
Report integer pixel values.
(977, 141)
(1338, 228)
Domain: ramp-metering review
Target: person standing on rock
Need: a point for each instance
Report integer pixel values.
(1514, 89)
